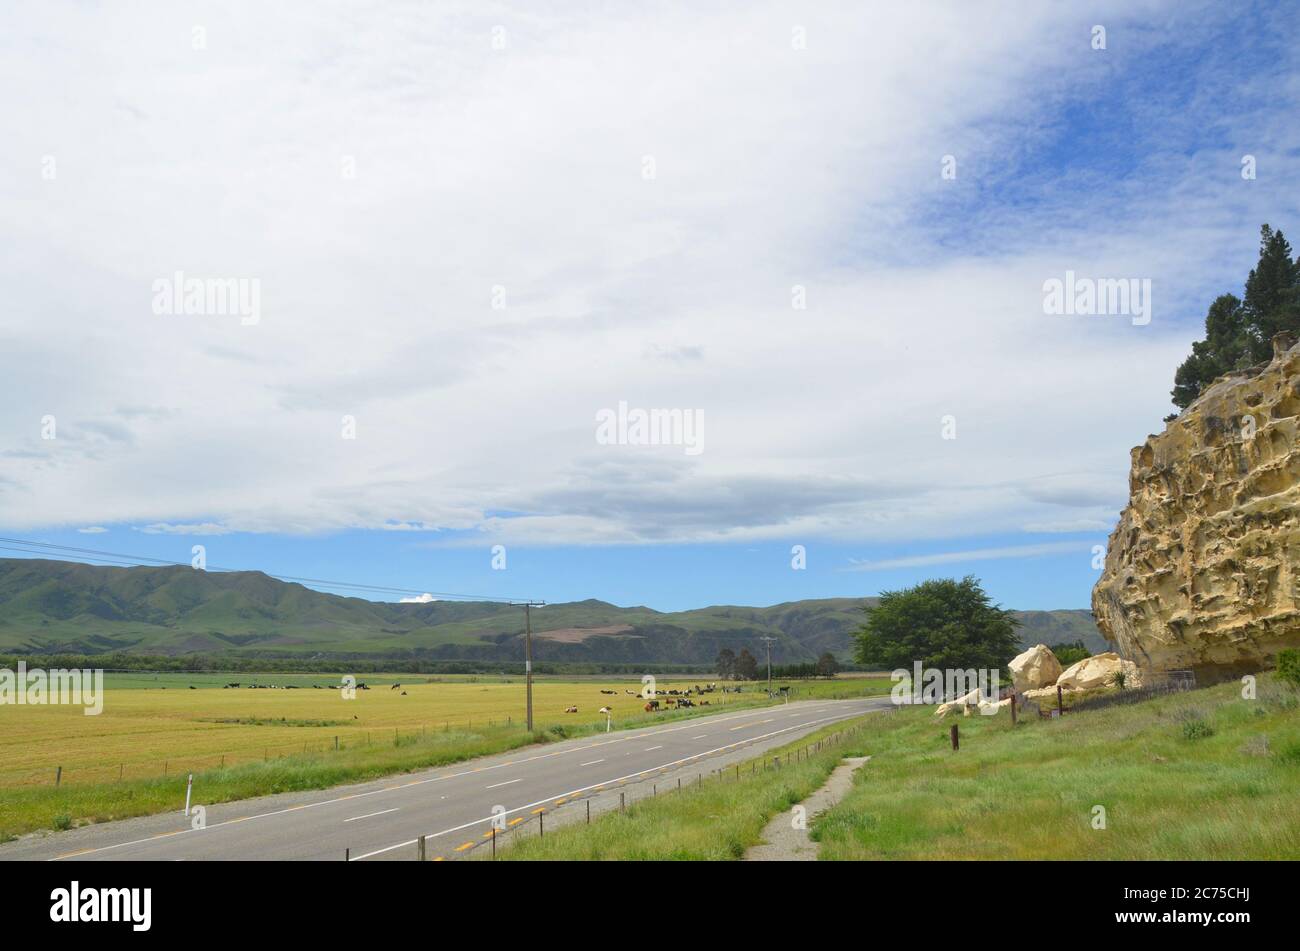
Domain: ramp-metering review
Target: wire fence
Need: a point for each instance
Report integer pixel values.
(1174, 681)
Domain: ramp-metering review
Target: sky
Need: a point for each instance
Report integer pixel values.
(467, 244)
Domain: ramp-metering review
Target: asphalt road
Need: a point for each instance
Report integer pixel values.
(452, 806)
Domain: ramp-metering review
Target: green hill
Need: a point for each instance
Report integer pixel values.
(67, 607)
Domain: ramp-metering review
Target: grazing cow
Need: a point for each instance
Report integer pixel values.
(610, 692)
(403, 693)
(605, 710)
(652, 706)
(570, 709)
(192, 687)
(395, 687)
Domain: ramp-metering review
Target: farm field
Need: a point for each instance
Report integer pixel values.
(155, 724)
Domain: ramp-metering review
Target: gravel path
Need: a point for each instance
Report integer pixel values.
(782, 842)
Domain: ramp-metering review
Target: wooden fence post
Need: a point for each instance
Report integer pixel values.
(421, 848)
(953, 734)
(58, 776)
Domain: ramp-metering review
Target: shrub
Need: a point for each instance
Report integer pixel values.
(63, 822)
(1194, 725)
(1288, 666)
(1071, 653)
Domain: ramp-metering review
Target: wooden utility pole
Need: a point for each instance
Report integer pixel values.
(528, 660)
(528, 654)
(768, 644)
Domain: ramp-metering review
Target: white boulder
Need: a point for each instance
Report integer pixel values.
(1035, 668)
(1099, 671)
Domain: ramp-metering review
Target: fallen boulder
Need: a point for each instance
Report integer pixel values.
(1098, 671)
(1035, 668)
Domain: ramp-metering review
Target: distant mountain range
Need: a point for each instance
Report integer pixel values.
(68, 607)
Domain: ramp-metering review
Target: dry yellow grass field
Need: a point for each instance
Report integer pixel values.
(144, 732)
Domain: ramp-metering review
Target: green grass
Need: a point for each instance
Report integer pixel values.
(717, 820)
(1201, 775)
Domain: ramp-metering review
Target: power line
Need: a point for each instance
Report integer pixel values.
(119, 559)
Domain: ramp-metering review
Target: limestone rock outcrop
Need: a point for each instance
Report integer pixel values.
(1036, 667)
(1203, 570)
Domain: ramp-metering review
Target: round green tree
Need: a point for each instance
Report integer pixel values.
(941, 623)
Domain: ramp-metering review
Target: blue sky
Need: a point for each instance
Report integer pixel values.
(665, 577)
(473, 247)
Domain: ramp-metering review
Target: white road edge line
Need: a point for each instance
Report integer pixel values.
(370, 814)
(506, 783)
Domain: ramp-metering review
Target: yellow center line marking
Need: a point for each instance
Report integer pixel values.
(68, 855)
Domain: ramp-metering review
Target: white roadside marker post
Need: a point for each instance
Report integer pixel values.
(189, 787)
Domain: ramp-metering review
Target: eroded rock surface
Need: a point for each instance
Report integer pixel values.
(1203, 570)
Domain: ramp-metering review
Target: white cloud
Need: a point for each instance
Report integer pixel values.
(976, 554)
(522, 168)
(419, 599)
(92, 530)
(1072, 525)
(163, 528)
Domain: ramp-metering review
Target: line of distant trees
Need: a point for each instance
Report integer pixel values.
(213, 663)
(744, 666)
